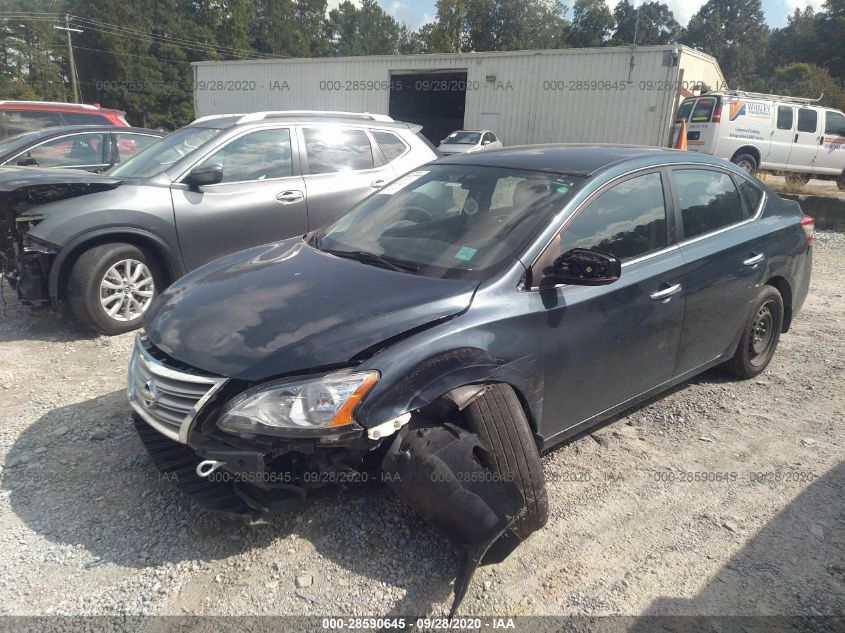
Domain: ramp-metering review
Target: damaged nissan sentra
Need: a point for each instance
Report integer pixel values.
(453, 326)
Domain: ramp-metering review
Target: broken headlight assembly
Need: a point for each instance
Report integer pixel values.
(312, 407)
(35, 245)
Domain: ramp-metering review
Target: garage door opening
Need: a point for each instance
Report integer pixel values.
(433, 99)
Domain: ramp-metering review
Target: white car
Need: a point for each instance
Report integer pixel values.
(465, 141)
(770, 132)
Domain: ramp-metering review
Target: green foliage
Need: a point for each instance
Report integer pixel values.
(592, 23)
(736, 34)
(652, 23)
(367, 30)
(810, 81)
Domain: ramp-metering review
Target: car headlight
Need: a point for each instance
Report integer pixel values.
(310, 407)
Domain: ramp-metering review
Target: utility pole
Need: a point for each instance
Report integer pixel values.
(73, 80)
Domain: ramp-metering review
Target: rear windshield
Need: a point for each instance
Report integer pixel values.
(685, 109)
(703, 110)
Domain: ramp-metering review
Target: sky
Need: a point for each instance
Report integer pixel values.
(415, 13)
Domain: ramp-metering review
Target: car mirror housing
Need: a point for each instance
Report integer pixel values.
(584, 267)
(204, 175)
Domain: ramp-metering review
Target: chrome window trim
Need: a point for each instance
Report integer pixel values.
(59, 138)
(609, 184)
(156, 367)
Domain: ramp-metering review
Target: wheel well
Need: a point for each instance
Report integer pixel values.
(748, 149)
(147, 245)
(782, 286)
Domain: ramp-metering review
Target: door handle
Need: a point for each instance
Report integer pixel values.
(666, 293)
(795, 140)
(289, 197)
(378, 184)
(821, 140)
(753, 260)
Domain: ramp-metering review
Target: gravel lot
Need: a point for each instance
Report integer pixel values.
(87, 527)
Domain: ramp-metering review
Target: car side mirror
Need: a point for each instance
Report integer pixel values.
(487, 142)
(204, 175)
(584, 267)
(27, 162)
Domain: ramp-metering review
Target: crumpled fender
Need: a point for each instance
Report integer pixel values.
(436, 470)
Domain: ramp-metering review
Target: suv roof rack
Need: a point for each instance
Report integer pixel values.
(62, 104)
(762, 95)
(260, 116)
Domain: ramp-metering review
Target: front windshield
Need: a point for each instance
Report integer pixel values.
(462, 138)
(14, 143)
(164, 153)
(451, 221)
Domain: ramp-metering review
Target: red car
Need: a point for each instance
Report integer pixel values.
(25, 116)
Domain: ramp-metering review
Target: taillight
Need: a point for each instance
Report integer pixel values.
(809, 226)
(717, 114)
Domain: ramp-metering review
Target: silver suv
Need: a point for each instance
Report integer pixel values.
(109, 244)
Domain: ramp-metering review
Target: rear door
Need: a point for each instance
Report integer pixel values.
(831, 158)
(806, 141)
(782, 138)
(723, 260)
(341, 166)
(701, 130)
(261, 198)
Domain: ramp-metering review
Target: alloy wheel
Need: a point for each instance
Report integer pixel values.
(126, 290)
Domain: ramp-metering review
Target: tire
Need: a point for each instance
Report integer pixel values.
(840, 182)
(498, 418)
(796, 179)
(746, 162)
(753, 354)
(88, 287)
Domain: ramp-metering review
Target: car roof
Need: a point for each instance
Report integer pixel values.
(57, 106)
(573, 159)
(225, 121)
(58, 130)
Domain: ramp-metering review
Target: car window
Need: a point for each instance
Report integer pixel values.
(333, 149)
(257, 155)
(703, 110)
(834, 124)
(83, 118)
(167, 152)
(685, 109)
(751, 195)
(77, 150)
(129, 144)
(709, 200)
(391, 145)
(808, 120)
(487, 137)
(785, 115)
(462, 138)
(18, 121)
(625, 221)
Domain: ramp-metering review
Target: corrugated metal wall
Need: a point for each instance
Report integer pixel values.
(573, 95)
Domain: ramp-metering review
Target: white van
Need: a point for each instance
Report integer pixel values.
(758, 131)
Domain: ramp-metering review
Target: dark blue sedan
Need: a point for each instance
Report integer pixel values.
(461, 321)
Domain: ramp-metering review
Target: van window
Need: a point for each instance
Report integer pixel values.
(703, 110)
(834, 124)
(625, 221)
(685, 109)
(785, 116)
(808, 120)
(709, 200)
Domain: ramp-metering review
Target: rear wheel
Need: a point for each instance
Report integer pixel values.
(746, 162)
(840, 182)
(111, 287)
(498, 418)
(760, 335)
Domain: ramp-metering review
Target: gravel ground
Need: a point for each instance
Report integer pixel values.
(87, 526)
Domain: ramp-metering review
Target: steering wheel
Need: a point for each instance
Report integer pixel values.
(414, 212)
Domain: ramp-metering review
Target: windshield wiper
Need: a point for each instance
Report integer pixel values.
(379, 260)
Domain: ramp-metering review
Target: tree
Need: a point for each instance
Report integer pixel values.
(736, 34)
(592, 23)
(831, 30)
(367, 30)
(810, 81)
(798, 41)
(651, 23)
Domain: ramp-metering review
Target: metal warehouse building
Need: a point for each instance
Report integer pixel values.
(612, 95)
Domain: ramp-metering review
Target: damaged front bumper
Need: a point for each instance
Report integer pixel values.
(27, 269)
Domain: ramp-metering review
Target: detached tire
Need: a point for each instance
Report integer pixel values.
(760, 335)
(746, 162)
(111, 287)
(498, 418)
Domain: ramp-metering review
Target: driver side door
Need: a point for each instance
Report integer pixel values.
(606, 345)
(260, 199)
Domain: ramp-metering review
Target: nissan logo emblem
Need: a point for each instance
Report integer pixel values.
(149, 393)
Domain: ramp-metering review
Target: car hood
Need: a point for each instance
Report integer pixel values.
(457, 149)
(14, 178)
(285, 308)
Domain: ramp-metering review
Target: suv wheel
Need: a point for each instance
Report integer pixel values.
(760, 336)
(746, 162)
(112, 286)
(498, 418)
